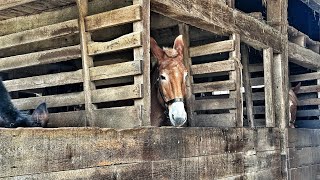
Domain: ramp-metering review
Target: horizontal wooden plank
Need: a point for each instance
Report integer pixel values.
(112, 18)
(306, 102)
(306, 156)
(303, 57)
(255, 68)
(212, 48)
(258, 81)
(309, 89)
(116, 70)
(118, 117)
(299, 138)
(258, 96)
(52, 101)
(259, 161)
(307, 113)
(257, 109)
(304, 77)
(44, 81)
(127, 41)
(39, 34)
(5, 4)
(305, 172)
(215, 120)
(211, 104)
(213, 86)
(38, 58)
(221, 66)
(117, 93)
(310, 124)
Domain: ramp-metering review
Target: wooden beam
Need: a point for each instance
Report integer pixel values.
(212, 104)
(213, 67)
(214, 86)
(6, 4)
(303, 57)
(212, 48)
(215, 120)
(220, 19)
(87, 62)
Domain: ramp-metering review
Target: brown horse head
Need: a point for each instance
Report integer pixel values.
(293, 103)
(171, 79)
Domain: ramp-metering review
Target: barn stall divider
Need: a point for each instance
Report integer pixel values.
(90, 62)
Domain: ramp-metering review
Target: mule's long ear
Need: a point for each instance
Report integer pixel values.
(156, 50)
(179, 44)
(40, 115)
(296, 88)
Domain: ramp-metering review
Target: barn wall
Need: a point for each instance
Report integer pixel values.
(304, 154)
(146, 153)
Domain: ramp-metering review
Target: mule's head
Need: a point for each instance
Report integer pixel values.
(172, 79)
(293, 103)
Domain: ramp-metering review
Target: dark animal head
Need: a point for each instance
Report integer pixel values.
(172, 79)
(293, 103)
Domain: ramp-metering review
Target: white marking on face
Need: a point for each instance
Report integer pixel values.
(177, 114)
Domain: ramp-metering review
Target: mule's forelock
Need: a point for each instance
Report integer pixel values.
(171, 53)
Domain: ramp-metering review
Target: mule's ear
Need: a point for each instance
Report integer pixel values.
(156, 50)
(179, 44)
(40, 115)
(296, 88)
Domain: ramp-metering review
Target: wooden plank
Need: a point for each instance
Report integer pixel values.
(306, 102)
(211, 104)
(215, 120)
(305, 172)
(214, 86)
(256, 67)
(268, 87)
(310, 124)
(39, 34)
(300, 138)
(259, 161)
(52, 101)
(42, 57)
(257, 81)
(305, 77)
(306, 156)
(309, 89)
(247, 84)
(303, 57)
(117, 93)
(143, 53)
(44, 81)
(116, 70)
(299, 40)
(6, 4)
(221, 20)
(212, 48)
(127, 41)
(313, 4)
(220, 66)
(87, 62)
(308, 113)
(112, 18)
(258, 96)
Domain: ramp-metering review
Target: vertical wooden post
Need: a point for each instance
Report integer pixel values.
(236, 75)
(184, 31)
(231, 3)
(143, 53)
(268, 87)
(247, 84)
(87, 62)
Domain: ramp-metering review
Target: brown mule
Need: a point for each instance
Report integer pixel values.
(168, 80)
(293, 103)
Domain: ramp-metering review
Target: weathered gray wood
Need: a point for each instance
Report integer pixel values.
(305, 77)
(211, 104)
(299, 40)
(308, 89)
(313, 4)
(268, 87)
(212, 48)
(303, 57)
(5, 4)
(305, 172)
(52, 101)
(305, 156)
(215, 120)
(112, 18)
(299, 138)
(117, 93)
(220, 66)
(305, 102)
(127, 41)
(256, 67)
(221, 20)
(116, 70)
(258, 96)
(307, 113)
(214, 86)
(247, 84)
(44, 81)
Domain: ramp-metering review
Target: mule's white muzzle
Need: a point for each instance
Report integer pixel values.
(177, 114)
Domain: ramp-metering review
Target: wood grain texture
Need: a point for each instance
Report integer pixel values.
(212, 48)
(303, 57)
(212, 67)
(213, 86)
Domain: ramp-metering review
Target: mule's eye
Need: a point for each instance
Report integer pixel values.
(162, 77)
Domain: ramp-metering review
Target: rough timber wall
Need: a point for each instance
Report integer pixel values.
(146, 153)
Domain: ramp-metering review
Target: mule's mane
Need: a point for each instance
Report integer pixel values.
(172, 53)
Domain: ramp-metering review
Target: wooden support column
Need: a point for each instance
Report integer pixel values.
(87, 62)
(236, 75)
(143, 53)
(184, 31)
(268, 87)
(247, 84)
(300, 40)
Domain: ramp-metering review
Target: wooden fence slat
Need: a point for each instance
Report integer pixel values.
(215, 120)
(42, 57)
(221, 66)
(256, 68)
(309, 89)
(306, 102)
(258, 96)
(127, 41)
(214, 86)
(112, 18)
(211, 104)
(117, 93)
(258, 81)
(44, 81)
(304, 156)
(303, 57)
(257, 110)
(212, 48)
(305, 77)
(39, 34)
(116, 70)
(52, 101)
(308, 113)
(12, 3)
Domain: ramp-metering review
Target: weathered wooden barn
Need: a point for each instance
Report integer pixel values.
(90, 62)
